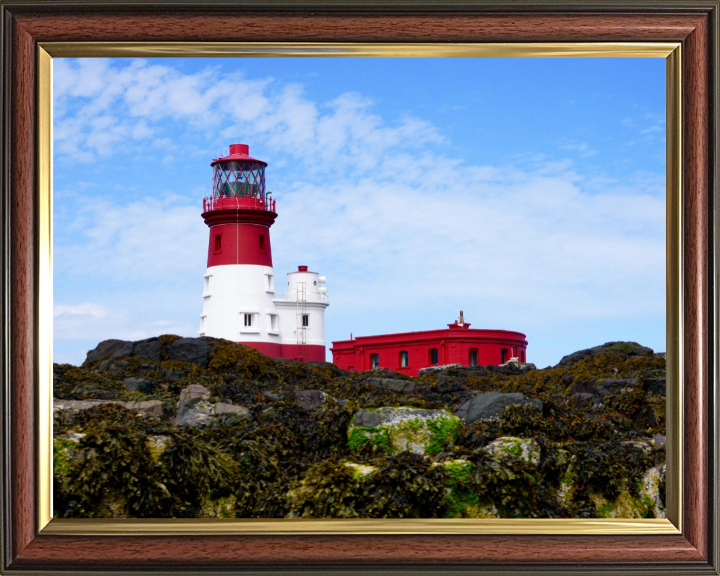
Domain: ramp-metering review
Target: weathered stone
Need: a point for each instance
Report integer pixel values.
(524, 448)
(490, 405)
(629, 348)
(190, 350)
(659, 440)
(309, 399)
(154, 407)
(138, 384)
(224, 408)
(71, 407)
(105, 348)
(440, 368)
(192, 417)
(116, 366)
(171, 376)
(192, 395)
(392, 384)
(125, 350)
(404, 429)
(582, 400)
(150, 348)
(462, 410)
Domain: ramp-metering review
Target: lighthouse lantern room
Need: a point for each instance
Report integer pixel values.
(240, 302)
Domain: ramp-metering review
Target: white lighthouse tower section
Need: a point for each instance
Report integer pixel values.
(302, 311)
(238, 304)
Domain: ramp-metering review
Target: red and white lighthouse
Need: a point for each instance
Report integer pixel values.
(240, 302)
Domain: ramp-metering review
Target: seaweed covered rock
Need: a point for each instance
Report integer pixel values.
(492, 404)
(207, 428)
(626, 348)
(404, 429)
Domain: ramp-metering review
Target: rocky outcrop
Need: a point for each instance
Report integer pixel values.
(191, 350)
(491, 405)
(404, 429)
(626, 348)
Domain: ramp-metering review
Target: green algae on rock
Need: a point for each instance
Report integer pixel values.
(404, 429)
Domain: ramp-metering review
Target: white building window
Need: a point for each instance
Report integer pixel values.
(206, 288)
(269, 283)
(248, 319)
(306, 320)
(273, 323)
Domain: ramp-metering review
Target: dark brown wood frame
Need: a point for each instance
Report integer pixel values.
(24, 24)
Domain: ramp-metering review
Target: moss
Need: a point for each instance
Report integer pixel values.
(443, 431)
(62, 455)
(376, 436)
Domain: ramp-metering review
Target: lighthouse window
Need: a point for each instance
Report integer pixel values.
(433, 356)
(248, 319)
(472, 360)
(503, 355)
(218, 242)
(375, 360)
(261, 239)
(306, 320)
(403, 359)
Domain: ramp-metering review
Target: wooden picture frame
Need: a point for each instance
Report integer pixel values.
(29, 547)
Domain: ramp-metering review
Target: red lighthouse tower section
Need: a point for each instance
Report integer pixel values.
(239, 299)
(239, 212)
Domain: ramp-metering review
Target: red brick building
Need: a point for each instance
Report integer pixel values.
(407, 352)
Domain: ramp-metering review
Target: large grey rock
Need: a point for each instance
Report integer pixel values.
(190, 350)
(192, 417)
(154, 407)
(582, 400)
(105, 348)
(629, 348)
(72, 407)
(309, 399)
(125, 350)
(491, 404)
(404, 429)
(191, 396)
(394, 384)
(139, 384)
(150, 349)
(223, 408)
(440, 368)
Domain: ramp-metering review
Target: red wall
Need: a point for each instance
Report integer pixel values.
(239, 245)
(453, 348)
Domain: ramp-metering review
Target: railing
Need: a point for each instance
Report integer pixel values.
(312, 297)
(238, 202)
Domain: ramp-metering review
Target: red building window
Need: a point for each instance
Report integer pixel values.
(374, 361)
(522, 356)
(433, 356)
(403, 359)
(218, 242)
(503, 355)
(261, 239)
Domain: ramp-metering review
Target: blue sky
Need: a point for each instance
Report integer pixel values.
(529, 193)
